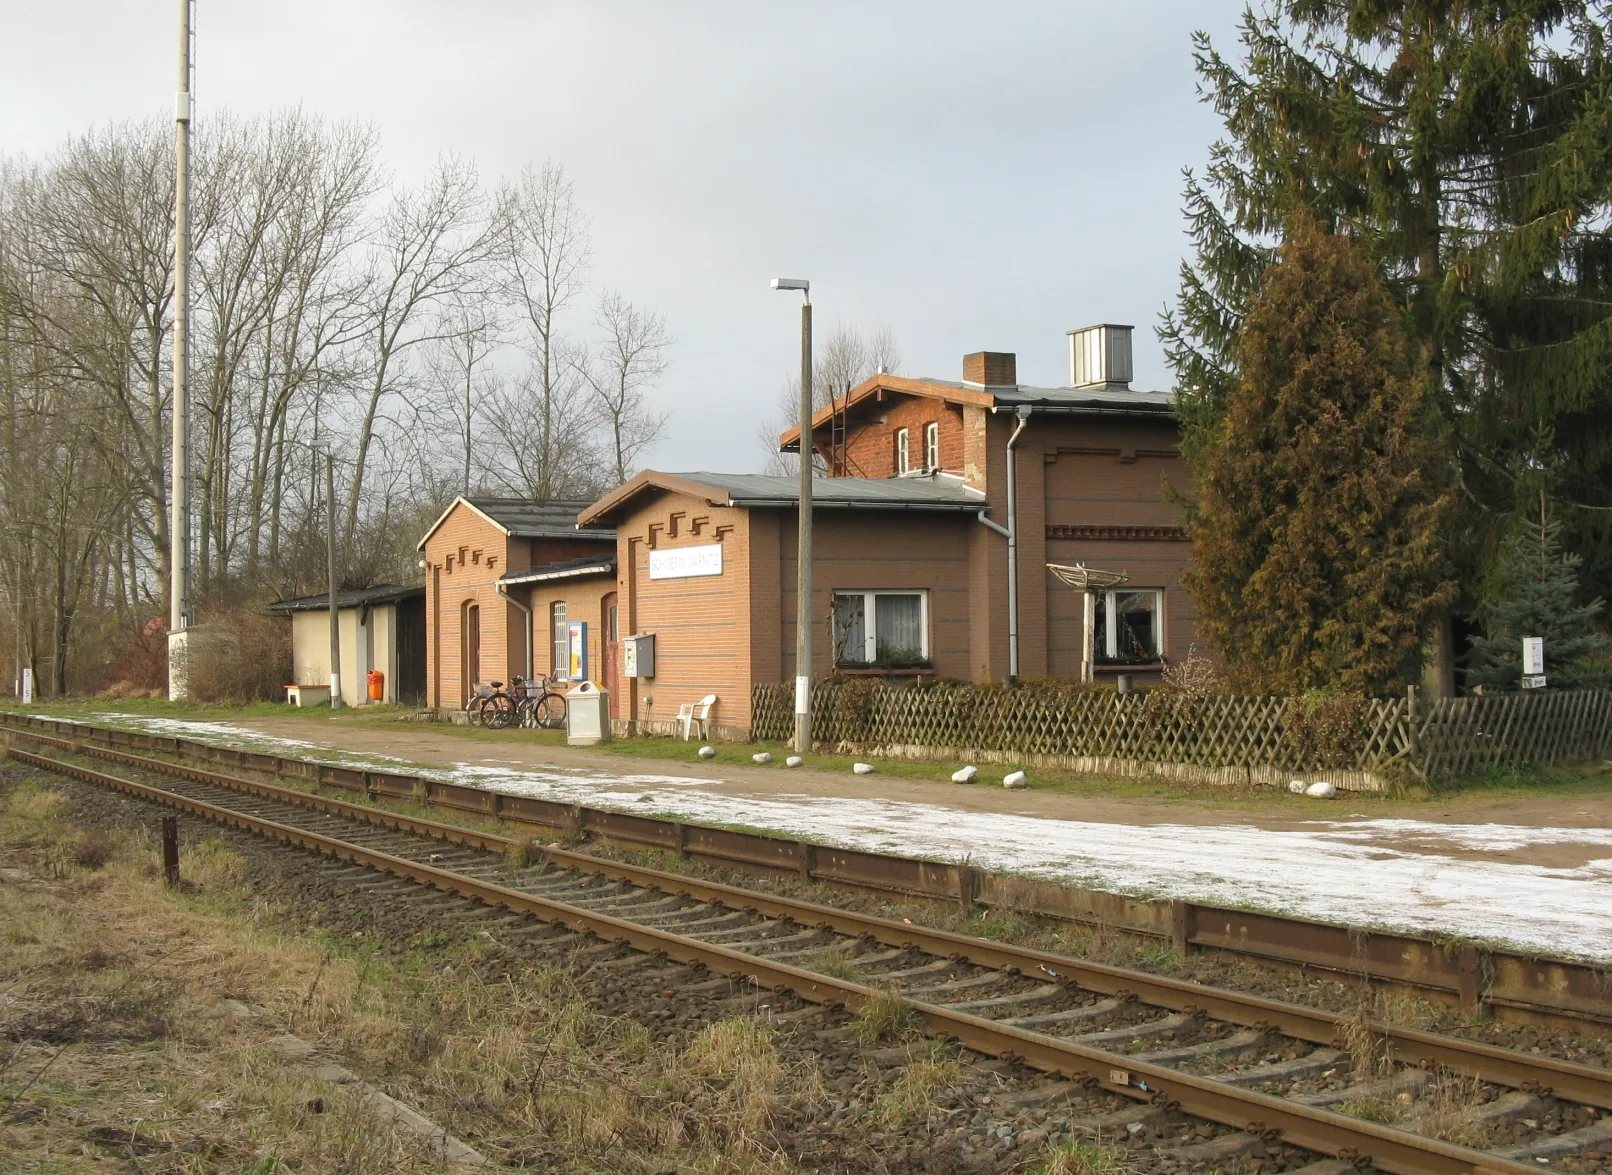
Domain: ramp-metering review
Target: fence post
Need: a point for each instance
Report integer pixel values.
(170, 849)
(1411, 739)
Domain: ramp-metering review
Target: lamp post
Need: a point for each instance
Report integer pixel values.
(803, 569)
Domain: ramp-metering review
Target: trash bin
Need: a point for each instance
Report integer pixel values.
(377, 685)
(587, 715)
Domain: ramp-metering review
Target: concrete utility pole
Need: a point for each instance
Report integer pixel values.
(803, 586)
(179, 603)
(803, 575)
(330, 562)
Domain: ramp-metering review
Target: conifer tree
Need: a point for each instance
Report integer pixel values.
(1468, 149)
(1316, 540)
(1535, 594)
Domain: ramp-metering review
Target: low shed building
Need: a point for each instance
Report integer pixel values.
(380, 628)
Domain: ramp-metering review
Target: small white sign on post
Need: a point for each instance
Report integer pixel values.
(1533, 662)
(685, 562)
(27, 684)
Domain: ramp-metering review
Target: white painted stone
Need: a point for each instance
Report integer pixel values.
(967, 775)
(761, 757)
(1296, 786)
(793, 761)
(1321, 791)
(707, 752)
(1015, 780)
(862, 768)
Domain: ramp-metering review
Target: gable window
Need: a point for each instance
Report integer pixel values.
(562, 640)
(932, 446)
(1128, 627)
(903, 461)
(881, 630)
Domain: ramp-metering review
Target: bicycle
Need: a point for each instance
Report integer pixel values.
(541, 705)
(531, 703)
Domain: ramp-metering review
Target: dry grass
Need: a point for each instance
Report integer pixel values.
(1438, 1110)
(115, 1042)
(912, 1098)
(836, 963)
(886, 1017)
(1083, 1158)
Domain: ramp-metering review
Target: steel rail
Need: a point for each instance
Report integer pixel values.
(1572, 1082)
(1361, 1142)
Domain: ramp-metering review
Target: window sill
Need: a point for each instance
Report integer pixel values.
(1127, 667)
(879, 671)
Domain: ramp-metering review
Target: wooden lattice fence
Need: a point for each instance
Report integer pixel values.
(1263, 738)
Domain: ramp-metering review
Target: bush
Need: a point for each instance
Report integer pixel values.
(239, 656)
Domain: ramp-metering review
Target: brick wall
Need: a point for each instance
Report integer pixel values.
(583, 599)
(869, 551)
(871, 436)
(464, 559)
(702, 624)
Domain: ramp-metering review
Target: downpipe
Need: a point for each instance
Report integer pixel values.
(527, 612)
(1013, 541)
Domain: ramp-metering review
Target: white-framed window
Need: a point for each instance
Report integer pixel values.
(932, 446)
(887, 630)
(562, 640)
(903, 453)
(1128, 628)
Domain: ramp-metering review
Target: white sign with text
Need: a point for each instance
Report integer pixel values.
(1533, 655)
(685, 562)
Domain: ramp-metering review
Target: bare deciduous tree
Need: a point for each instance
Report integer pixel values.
(840, 362)
(629, 360)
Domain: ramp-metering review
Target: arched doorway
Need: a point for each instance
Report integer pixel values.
(610, 646)
(469, 651)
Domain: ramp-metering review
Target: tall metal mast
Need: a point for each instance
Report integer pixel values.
(180, 609)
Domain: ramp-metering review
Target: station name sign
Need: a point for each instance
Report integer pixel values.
(685, 562)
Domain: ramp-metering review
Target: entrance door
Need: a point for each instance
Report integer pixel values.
(471, 659)
(611, 648)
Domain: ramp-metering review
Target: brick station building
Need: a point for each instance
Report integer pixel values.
(910, 561)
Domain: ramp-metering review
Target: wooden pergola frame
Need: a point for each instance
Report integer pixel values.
(1088, 581)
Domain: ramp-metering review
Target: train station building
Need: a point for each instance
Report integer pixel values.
(911, 533)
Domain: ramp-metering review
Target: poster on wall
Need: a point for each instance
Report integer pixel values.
(576, 643)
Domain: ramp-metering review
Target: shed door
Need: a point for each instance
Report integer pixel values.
(612, 653)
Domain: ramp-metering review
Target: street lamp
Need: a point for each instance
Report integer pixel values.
(803, 561)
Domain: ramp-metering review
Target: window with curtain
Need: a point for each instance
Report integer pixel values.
(1128, 627)
(931, 446)
(562, 643)
(903, 455)
(883, 630)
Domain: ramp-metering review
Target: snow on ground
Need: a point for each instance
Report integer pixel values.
(1351, 873)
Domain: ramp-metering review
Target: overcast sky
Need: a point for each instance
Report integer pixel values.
(973, 175)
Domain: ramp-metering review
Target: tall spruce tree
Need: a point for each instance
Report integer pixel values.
(1468, 148)
(1535, 593)
(1316, 539)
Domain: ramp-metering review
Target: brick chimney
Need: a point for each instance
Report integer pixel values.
(993, 369)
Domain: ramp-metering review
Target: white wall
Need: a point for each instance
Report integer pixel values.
(363, 647)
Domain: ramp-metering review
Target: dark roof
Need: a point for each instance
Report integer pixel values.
(533, 518)
(386, 593)
(926, 492)
(569, 569)
(1094, 398)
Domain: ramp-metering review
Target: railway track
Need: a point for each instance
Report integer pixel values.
(1269, 1071)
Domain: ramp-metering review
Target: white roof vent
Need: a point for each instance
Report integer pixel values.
(1100, 356)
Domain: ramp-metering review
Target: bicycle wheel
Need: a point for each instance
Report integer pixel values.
(497, 711)
(551, 711)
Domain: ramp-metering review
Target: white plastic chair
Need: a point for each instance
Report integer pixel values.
(691, 712)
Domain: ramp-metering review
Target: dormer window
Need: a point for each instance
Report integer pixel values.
(903, 453)
(932, 446)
